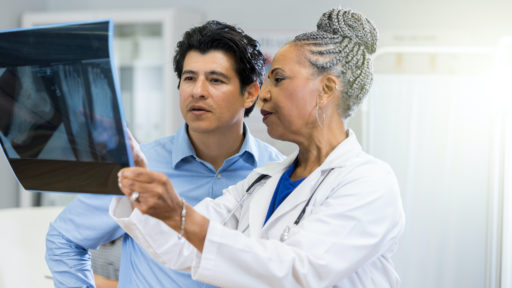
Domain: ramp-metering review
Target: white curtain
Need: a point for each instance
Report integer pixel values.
(502, 103)
(506, 279)
(506, 268)
(434, 132)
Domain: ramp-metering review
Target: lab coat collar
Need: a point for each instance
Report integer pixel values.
(339, 157)
(346, 150)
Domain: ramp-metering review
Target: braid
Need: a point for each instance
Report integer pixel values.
(342, 46)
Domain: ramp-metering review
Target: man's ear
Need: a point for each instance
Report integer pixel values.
(251, 94)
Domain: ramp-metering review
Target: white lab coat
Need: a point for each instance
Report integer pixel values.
(345, 239)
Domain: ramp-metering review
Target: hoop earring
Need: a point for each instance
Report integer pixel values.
(320, 116)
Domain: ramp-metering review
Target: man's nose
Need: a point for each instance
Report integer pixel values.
(200, 88)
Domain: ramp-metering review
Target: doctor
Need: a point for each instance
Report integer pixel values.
(329, 215)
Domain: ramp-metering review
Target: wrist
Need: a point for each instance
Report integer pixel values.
(196, 228)
(183, 215)
(175, 219)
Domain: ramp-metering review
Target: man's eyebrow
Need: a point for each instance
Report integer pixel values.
(219, 74)
(188, 72)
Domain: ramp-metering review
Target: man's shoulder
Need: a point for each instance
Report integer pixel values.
(160, 141)
(266, 152)
(164, 143)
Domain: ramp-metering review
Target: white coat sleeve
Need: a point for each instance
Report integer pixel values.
(153, 235)
(356, 224)
(162, 242)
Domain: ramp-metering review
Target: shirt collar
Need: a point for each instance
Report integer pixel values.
(183, 148)
(249, 147)
(346, 151)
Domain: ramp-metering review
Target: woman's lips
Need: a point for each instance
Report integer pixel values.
(265, 114)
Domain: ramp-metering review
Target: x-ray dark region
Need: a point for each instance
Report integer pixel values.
(61, 125)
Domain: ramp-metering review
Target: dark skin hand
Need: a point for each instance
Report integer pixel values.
(158, 199)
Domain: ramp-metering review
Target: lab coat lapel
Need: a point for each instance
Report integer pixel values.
(262, 197)
(341, 155)
(297, 198)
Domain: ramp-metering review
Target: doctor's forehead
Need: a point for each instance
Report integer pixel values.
(288, 56)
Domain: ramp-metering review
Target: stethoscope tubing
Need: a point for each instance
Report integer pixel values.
(249, 191)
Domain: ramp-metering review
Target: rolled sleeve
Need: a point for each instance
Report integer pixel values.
(84, 224)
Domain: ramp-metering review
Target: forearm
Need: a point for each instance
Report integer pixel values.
(82, 225)
(69, 263)
(152, 234)
(195, 227)
(155, 196)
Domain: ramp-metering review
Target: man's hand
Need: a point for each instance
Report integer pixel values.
(102, 282)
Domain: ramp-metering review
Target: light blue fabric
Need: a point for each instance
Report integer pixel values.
(85, 223)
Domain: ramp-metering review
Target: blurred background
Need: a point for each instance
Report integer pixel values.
(440, 112)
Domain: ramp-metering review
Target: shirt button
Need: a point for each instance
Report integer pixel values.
(219, 176)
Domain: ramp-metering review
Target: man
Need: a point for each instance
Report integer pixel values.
(220, 70)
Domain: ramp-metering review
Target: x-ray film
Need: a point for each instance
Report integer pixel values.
(61, 123)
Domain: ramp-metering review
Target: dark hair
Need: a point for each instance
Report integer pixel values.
(214, 35)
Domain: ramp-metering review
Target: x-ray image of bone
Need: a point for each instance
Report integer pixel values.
(55, 118)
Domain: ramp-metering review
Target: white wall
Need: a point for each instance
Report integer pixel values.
(10, 11)
(399, 21)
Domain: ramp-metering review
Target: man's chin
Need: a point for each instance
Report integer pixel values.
(200, 126)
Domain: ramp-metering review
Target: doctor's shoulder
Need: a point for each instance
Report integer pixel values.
(370, 184)
(370, 174)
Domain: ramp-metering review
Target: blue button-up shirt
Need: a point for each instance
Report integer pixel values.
(85, 223)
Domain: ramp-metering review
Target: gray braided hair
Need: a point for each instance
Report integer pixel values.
(342, 46)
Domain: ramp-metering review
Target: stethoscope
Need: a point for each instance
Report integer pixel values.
(250, 190)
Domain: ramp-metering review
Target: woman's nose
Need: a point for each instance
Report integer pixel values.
(264, 92)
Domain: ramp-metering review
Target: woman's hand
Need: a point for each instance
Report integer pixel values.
(138, 157)
(156, 194)
(158, 199)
